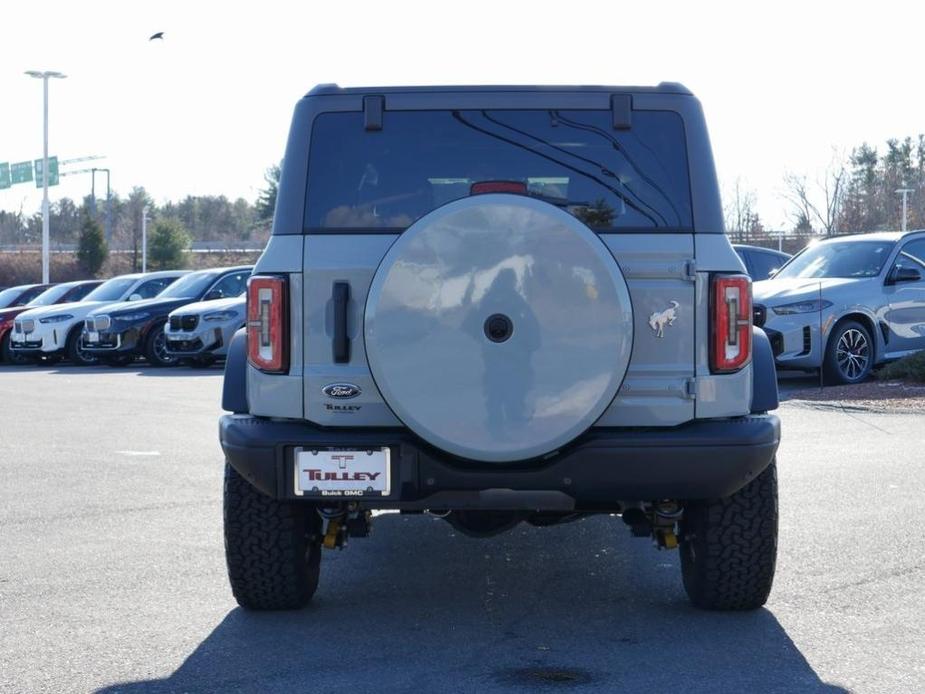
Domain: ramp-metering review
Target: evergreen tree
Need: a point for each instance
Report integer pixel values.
(266, 203)
(168, 244)
(91, 248)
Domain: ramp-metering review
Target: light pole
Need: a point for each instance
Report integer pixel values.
(144, 239)
(905, 193)
(45, 76)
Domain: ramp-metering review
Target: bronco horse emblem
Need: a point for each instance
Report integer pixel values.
(659, 319)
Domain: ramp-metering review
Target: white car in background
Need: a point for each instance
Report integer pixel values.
(201, 332)
(51, 332)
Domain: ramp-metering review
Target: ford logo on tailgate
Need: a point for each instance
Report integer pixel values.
(341, 391)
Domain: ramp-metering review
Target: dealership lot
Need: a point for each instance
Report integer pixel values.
(112, 570)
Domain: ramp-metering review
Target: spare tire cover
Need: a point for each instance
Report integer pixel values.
(498, 327)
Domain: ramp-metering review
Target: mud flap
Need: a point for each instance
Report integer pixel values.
(234, 388)
(764, 374)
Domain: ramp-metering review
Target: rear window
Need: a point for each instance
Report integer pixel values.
(385, 180)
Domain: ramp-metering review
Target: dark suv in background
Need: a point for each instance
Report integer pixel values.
(120, 332)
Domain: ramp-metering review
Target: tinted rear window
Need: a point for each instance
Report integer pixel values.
(385, 180)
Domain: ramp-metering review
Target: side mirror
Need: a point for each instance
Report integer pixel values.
(134, 297)
(901, 273)
(773, 272)
(211, 295)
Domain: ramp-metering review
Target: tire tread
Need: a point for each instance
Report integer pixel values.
(729, 546)
(272, 565)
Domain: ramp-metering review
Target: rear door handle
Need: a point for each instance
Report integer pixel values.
(341, 345)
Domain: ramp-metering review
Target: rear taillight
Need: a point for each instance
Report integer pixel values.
(267, 324)
(731, 337)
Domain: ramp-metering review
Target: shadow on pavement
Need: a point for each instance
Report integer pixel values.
(139, 369)
(420, 607)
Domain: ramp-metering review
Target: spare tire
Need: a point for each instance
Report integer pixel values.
(498, 328)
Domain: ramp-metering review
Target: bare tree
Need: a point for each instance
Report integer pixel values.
(821, 202)
(739, 214)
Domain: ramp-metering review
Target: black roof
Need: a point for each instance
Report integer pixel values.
(661, 88)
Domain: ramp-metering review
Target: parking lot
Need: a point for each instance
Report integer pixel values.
(112, 573)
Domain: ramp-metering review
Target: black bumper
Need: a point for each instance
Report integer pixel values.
(125, 342)
(699, 460)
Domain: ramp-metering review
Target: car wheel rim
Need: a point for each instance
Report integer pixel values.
(84, 356)
(160, 348)
(852, 353)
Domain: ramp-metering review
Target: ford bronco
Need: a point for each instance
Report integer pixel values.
(499, 305)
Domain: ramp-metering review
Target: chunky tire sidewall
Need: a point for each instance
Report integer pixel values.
(729, 546)
(833, 374)
(271, 547)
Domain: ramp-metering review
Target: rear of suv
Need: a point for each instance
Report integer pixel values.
(500, 305)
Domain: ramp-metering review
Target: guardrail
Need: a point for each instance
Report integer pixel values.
(198, 247)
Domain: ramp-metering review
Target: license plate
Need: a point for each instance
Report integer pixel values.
(93, 337)
(342, 473)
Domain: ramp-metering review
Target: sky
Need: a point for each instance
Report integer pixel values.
(206, 110)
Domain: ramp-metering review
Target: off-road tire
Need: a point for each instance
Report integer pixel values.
(10, 356)
(832, 371)
(271, 548)
(75, 355)
(154, 348)
(729, 546)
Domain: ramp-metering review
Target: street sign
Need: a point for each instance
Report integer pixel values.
(21, 172)
(4, 175)
(52, 172)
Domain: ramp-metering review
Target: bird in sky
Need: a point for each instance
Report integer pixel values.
(158, 35)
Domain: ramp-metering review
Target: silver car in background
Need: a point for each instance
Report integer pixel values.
(846, 304)
(201, 332)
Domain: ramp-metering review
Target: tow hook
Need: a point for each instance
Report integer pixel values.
(335, 537)
(352, 522)
(666, 516)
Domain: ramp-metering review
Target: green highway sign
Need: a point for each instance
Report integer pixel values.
(4, 175)
(21, 172)
(52, 172)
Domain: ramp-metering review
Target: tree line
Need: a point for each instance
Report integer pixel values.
(213, 218)
(853, 193)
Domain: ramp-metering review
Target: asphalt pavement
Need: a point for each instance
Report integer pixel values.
(112, 572)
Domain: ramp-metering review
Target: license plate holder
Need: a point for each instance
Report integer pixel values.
(93, 337)
(342, 473)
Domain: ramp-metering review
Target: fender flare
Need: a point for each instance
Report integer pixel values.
(764, 374)
(234, 388)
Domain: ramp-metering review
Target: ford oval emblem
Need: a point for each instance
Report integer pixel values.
(341, 391)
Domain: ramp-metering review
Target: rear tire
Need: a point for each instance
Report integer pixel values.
(8, 354)
(849, 354)
(729, 546)
(156, 348)
(271, 548)
(76, 355)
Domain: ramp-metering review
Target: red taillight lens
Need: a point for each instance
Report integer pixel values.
(267, 324)
(731, 343)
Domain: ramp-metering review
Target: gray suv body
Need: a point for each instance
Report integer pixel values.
(500, 305)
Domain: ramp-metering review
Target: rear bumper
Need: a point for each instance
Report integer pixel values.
(699, 460)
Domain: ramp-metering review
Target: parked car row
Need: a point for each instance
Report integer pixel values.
(165, 317)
